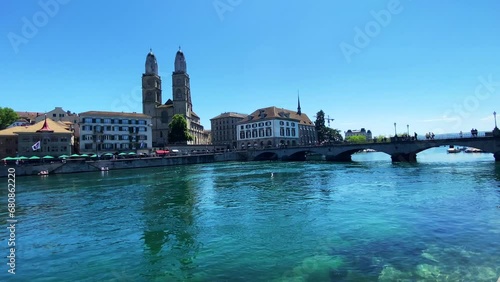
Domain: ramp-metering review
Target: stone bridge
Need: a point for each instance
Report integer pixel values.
(399, 150)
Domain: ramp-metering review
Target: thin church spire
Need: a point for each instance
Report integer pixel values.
(298, 103)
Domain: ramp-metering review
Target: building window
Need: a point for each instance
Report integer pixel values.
(107, 120)
(248, 134)
(125, 121)
(87, 120)
(287, 123)
(293, 132)
(282, 131)
(268, 131)
(288, 131)
(242, 135)
(261, 132)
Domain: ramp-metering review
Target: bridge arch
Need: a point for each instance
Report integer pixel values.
(301, 155)
(266, 156)
(346, 155)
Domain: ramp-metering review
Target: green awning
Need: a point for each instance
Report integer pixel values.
(48, 157)
(9, 159)
(131, 153)
(84, 155)
(63, 156)
(34, 158)
(94, 156)
(122, 154)
(22, 158)
(108, 154)
(74, 155)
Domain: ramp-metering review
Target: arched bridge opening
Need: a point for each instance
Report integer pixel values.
(299, 156)
(346, 156)
(266, 156)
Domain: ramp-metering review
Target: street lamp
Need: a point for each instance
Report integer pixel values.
(395, 133)
(495, 116)
(408, 130)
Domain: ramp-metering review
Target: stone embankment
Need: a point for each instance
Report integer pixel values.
(82, 165)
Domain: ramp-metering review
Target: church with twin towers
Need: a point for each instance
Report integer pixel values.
(180, 103)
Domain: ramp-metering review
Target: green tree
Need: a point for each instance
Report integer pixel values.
(380, 138)
(320, 125)
(333, 135)
(178, 132)
(7, 117)
(358, 139)
(326, 134)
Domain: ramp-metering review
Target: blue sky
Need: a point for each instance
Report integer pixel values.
(433, 65)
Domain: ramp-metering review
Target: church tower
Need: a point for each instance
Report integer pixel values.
(151, 86)
(181, 93)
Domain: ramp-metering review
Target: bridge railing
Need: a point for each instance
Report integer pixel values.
(458, 135)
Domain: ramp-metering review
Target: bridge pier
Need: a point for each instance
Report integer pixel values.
(401, 157)
(497, 156)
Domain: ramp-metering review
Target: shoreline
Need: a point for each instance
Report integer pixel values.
(81, 165)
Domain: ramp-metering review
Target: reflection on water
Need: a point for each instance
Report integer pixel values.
(368, 220)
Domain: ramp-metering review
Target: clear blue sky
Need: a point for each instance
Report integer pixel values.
(420, 67)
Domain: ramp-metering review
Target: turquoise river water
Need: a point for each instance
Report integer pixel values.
(368, 220)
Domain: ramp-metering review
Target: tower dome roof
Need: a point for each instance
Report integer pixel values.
(180, 62)
(151, 64)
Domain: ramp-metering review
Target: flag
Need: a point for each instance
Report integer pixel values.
(36, 146)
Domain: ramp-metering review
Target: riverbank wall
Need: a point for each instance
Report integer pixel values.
(82, 165)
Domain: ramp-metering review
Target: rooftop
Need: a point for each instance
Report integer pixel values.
(112, 114)
(38, 127)
(230, 114)
(277, 113)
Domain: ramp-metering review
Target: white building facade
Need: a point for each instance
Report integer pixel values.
(274, 127)
(110, 132)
